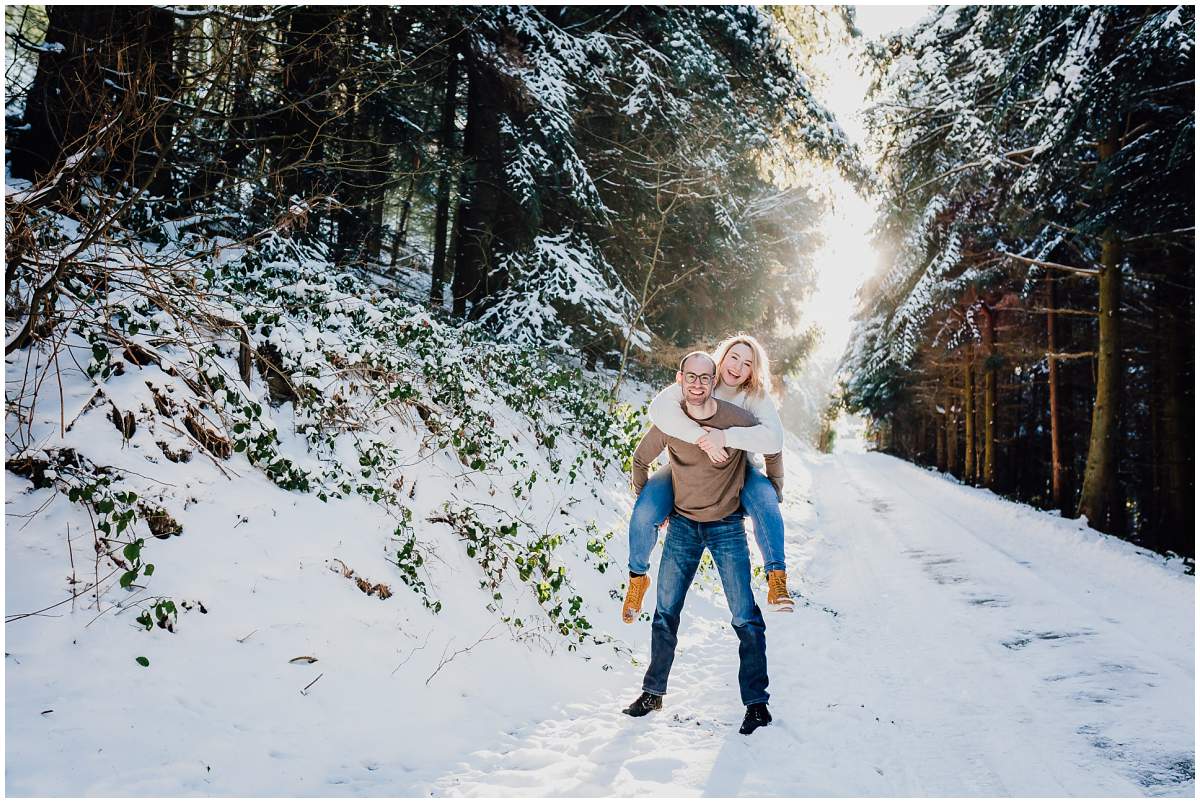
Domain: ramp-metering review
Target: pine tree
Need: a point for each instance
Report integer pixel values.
(1024, 145)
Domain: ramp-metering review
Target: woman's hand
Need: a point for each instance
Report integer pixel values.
(713, 444)
(711, 439)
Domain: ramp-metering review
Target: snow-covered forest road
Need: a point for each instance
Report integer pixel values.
(953, 643)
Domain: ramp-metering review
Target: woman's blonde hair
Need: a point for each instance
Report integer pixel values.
(759, 382)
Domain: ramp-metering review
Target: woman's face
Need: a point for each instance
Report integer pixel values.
(737, 365)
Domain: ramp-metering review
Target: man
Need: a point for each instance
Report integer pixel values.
(707, 516)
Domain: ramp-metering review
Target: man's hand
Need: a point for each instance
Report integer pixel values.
(712, 442)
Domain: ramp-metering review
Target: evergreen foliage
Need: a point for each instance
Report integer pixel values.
(582, 148)
(1025, 147)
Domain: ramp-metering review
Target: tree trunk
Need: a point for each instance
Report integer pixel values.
(377, 190)
(240, 135)
(1099, 474)
(492, 222)
(1056, 466)
(483, 179)
(55, 114)
(455, 236)
(115, 64)
(308, 56)
(1175, 493)
(969, 413)
(952, 440)
(397, 244)
(377, 151)
(349, 187)
(406, 207)
(442, 213)
(361, 183)
(160, 82)
(989, 396)
(940, 443)
(919, 447)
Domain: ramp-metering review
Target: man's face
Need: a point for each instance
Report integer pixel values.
(696, 378)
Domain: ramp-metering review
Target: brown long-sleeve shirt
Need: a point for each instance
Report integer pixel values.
(703, 491)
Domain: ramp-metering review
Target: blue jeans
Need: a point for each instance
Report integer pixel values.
(726, 541)
(657, 501)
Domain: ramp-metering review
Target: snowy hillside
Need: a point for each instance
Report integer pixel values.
(259, 578)
(365, 494)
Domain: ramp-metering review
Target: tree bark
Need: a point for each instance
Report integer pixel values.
(969, 413)
(308, 55)
(1056, 467)
(483, 179)
(377, 190)
(152, 84)
(1099, 475)
(349, 187)
(240, 135)
(52, 117)
(940, 443)
(455, 235)
(989, 395)
(442, 213)
(492, 222)
(952, 440)
(114, 65)
(1175, 493)
(377, 150)
(406, 207)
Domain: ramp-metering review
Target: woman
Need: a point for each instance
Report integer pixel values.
(743, 378)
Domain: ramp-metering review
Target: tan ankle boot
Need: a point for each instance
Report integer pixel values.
(633, 598)
(778, 598)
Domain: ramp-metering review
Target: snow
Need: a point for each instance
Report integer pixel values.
(1027, 657)
(1074, 68)
(951, 643)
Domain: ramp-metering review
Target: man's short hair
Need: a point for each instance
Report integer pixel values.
(703, 354)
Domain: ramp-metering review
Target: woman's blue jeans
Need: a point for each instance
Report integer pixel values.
(656, 502)
(726, 542)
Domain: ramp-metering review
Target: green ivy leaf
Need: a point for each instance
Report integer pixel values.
(143, 660)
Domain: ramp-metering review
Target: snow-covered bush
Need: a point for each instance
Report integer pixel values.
(264, 351)
(564, 295)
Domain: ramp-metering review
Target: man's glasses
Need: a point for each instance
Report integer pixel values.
(704, 379)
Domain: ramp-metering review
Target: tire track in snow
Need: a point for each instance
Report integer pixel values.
(1107, 674)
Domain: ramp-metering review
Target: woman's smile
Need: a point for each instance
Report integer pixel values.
(737, 365)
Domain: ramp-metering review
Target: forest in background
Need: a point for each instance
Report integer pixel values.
(600, 178)
(1033, 328)
(619, 185)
